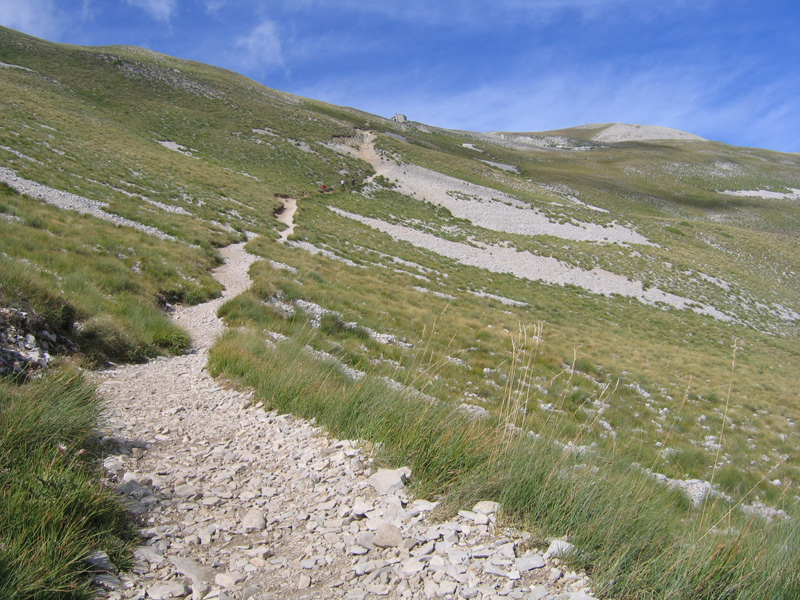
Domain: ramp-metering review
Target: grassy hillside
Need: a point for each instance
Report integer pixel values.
(205, 156)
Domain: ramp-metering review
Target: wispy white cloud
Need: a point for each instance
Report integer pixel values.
(481, 14)
(86, 10)
(160, 10)
(213, 6)
(260, 49)
(39, 18)
(694, 100)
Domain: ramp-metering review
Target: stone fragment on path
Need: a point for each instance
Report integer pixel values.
(389, 481)
(254, 519)
(107, 581)
(558, 549)
(582, 595)
(530, 562)
(411, 567)
(538, 592)
(228, 580)
(167, 591)
(360, 508)
(149, 554)
(192, 569)
(387, 536)
(100, 562)
(486, 507)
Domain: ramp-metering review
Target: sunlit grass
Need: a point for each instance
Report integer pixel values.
(53, 510)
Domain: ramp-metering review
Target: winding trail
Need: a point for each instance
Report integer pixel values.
(286, 216)
(239, 503)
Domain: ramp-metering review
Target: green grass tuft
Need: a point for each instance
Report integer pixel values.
(53, 510)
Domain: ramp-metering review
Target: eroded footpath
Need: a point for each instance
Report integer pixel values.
(236, 502)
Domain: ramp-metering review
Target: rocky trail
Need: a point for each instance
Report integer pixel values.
(285, 215)
(236, 502)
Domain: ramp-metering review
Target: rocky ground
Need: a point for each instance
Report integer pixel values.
(237, 502)
(26, 346)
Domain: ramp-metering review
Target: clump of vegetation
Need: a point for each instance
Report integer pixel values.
(53, 510)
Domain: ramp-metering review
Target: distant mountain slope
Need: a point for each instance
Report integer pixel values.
(620, 132)
(611, 132)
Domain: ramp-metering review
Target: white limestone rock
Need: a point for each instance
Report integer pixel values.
(389, 481)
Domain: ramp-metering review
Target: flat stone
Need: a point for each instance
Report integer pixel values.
(360, 508)
(412, 566)
(529, 562)
(303, 582)
(184, 491)
(165, 591)
(447, 588)
(229, 580)
(206, 534)
(113, 464)
(100, 562)
(492, 569)
(150, 555)
(423, 505)
(134, 489)
(192, 569)
(199, 591)
(368, 567)
(249, 592)
(378, 589)
(506, 551)
(389, 481)
(486, 507)
(538, 592)
(107, 581)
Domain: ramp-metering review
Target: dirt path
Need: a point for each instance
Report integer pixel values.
(286, 216)
(240, 503)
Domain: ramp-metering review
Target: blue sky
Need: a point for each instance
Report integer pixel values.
(728, 70)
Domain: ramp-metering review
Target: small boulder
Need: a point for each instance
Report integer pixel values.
(387, 536)
(254, 519)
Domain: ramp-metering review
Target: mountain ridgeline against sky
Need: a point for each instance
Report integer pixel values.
(644, 257)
